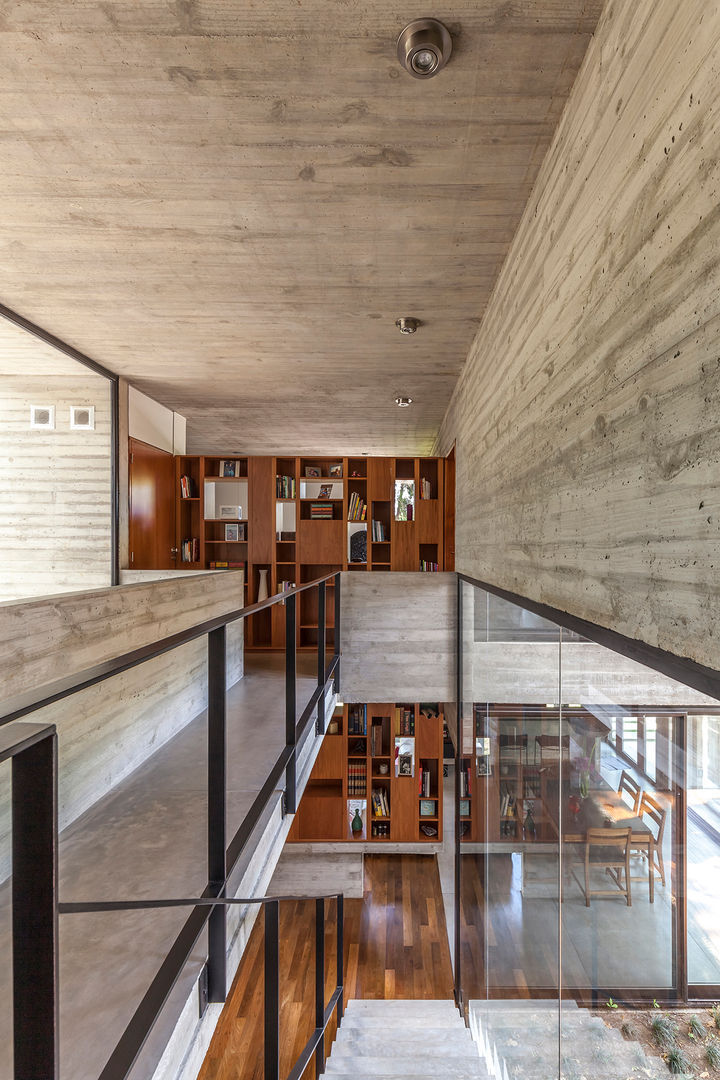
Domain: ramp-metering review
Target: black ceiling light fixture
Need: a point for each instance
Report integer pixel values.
(424, 47)
(407, 325)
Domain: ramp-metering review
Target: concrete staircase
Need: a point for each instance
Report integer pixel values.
(404, 1040)
(518, 1040)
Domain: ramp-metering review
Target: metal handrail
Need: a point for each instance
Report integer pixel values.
(36, 1030)
(315, 1044)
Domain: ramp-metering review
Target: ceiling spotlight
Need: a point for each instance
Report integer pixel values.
(403, 402)
(424, 47)
(407, 325)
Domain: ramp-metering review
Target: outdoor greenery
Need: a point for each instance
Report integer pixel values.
(664, 1030)
(677, 1061)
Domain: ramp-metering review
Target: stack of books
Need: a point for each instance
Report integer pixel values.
(380, 804)
(378, 532)
(429, 567)
(187, 487)
(321, 511)
(465, 781)
(220, 564)
(425, 489)
(190, 549)
(424, 787)
(357, 777)
(404, 721)
(284, 487)
(357, 509)
(357, 720)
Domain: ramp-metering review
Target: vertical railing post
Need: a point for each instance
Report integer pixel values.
(34, 910)
(320, 983)
(272, 991)
(216, 818)
(322, 619)
(290, 702)
(340, 959)
(336, 631)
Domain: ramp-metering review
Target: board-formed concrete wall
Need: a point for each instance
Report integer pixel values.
(587, 418)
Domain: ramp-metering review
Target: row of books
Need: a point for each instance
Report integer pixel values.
(507, 804)
(222, 564)
(380, 802)
(429, 567)
(404, 721)
(285, 487)
(187, 487)
(425, 781)
(190, 549)
(379, 534)
(357, 777)
(376, 738)
(321, 511)
(357, 720)
(464, 781)
(425, 489)
(357, 508)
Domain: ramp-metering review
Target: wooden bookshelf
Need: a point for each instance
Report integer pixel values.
(362, 763)
(293, 531)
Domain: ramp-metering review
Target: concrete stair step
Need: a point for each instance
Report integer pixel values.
(356, 1022)
(382, 1007)
(379, 1068)
(390, 1045)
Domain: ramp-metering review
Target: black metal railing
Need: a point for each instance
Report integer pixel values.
(35, 898)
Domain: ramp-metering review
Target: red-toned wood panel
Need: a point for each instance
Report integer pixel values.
(152, 507)
(380, 478)
(261, 526)
(321, 542)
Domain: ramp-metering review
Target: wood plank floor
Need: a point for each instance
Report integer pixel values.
(395, 947)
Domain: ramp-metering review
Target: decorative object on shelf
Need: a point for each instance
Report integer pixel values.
(358, 547)
(312, 472)
(232, 533)
(333, 727)
(230, 512)
(429, 830)
(336, 471)
(82, 417)
(427, 808)
(405, 765)
(262, 593)
(430, 709)
(357, 824)
(530, 828)
(383, 768)
(325, 491)
(464, 808)
(484, 768)
(229, 468)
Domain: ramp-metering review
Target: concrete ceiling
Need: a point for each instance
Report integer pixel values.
(231, 201)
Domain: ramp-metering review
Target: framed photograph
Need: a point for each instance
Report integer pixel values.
(427, 808)
(312, 472)
(405, 765)
(229, 468)
(82, 417)
(484, 768)
(232, 532)
(232, 512)
(336, 471)
(325, 491)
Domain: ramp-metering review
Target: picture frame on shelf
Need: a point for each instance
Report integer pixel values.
(325, 491)
(336, 471)
(405, 765)
(229, 468)
(464, 808)
(428, 808)
(312, 472)
(232, 533)
(230, 512)
(484, 766)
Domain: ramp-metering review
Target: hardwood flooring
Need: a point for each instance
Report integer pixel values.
(396, 946)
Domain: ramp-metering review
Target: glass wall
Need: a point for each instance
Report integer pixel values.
(589, 808)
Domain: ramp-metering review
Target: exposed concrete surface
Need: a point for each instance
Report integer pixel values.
(586, 419)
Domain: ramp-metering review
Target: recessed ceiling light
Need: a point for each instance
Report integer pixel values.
(407, 325)
(424, 47)
(403, 402)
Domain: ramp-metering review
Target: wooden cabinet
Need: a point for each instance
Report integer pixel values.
(386, 761)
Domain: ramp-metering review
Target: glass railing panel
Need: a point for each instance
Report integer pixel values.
(703, 852)
(513, 754)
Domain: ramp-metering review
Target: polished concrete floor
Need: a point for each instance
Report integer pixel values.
(147, 838)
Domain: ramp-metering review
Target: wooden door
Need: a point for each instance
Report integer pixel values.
(152, 508)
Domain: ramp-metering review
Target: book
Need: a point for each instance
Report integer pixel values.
(357, 508)
(285, 487)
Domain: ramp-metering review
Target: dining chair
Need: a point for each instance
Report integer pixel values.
(608, 850)
(652, 814)
(628, 784)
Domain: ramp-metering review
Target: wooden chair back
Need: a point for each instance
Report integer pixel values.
(630, 785)
(652, 809)
(612, 838)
